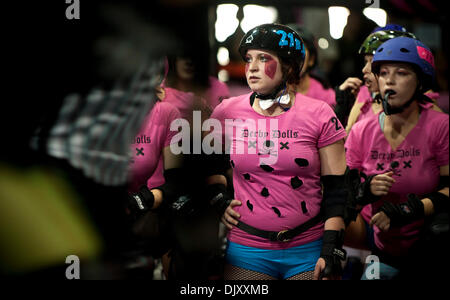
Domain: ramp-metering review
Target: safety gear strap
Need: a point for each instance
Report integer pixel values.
(274, 94)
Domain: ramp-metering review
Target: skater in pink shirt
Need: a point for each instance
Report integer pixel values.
(311, 85)
(366, 104)
(404, 150)
(188, 87)
(155, 181)
(283, 148)
(366, 90)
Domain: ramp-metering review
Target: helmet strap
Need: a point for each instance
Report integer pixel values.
(389, 110)
(272, 95)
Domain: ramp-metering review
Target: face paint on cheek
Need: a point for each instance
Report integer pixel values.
(270, 67)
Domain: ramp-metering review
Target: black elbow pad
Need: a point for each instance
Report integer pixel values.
(216, 164)
(173, 186)
(335, 195)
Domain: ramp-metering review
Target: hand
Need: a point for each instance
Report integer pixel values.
(140, 202)
(320, 265)
(381, 184)
(403, 213)
(353, 84)
(230, 216)
(381, 220)
(319, 269)
(329, 265)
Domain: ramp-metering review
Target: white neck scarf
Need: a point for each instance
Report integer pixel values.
(283, 99)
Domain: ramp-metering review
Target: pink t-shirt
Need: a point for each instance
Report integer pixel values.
(415, 164)
(216, 92)
(184, 101)
(283, 193)
(147, 165)
(365, 97)
(317, 91)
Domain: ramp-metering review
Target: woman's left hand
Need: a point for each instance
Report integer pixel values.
(381, 220)
(319, 269)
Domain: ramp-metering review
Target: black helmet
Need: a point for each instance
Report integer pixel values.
(309, 40)
(281, 39)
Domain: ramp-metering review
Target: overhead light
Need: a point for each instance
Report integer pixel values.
(226, 22)
(223, 75)
(223, 56)
(255, 15)
(377, 15)
(323, 43)
(338, 20)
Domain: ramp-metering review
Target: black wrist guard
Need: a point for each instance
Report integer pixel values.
(216, 164)
(218, 197)
(443, 182)
(404, 213)
(333, 253)
(173, 186)
(364, 195)
(140, 202)
(352, 181)
(344, 102)
(439, 200)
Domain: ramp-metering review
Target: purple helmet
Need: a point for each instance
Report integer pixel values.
(391, 27)
(407, 50)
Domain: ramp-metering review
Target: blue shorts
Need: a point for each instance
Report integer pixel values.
(282, 263)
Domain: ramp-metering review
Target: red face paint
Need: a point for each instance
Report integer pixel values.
(270, 67)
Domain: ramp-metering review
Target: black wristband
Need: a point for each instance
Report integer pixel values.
(332, 241)
(365, 195)
(344, 103)
(141, 201)
(439, 200)
(332, 252)
(443, 182)
(218, 197)
(173, 186)
(404, 213)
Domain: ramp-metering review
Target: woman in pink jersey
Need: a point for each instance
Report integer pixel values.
(365, 105)
(405, 150)
(283, 146)
(188, 86)
(154, 180)
(311, 85)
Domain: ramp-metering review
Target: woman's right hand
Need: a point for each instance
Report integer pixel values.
(230, 216)
(381, 184)
(352, 83)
